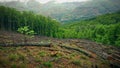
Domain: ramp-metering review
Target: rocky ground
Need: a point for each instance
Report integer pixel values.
(62, 53)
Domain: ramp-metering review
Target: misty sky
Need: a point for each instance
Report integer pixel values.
(45, 1)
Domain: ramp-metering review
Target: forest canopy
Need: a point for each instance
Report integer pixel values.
(11, 19)
(103, 29)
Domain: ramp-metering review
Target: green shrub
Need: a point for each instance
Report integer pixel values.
(21, 57)
(47, 64)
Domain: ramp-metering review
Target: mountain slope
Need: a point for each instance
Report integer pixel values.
(102, 29)
(69, 11)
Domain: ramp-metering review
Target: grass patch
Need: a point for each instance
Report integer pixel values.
(1, 48)
(83, 57)
(42, 53)
(13, 66)
(22, 65)
(13, 57)
(3, 62)
(21, 57)
(38, 60)
(77, 62)
(47, 65)
(71, 56)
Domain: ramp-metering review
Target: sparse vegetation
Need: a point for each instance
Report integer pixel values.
(57, 55)
(1, 48)
(83, 57)
(13, 57)
(13, 66)
(42, 57)
(77, 62)
(27, 32)
(19, 65)
(4, 62)
(42, 53)
(21, 57)
(47, 65)
(72, 55)
(38, 60)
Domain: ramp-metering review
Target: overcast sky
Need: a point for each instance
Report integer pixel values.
(44, 1)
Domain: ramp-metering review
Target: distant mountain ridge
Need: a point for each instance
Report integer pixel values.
(69, 11)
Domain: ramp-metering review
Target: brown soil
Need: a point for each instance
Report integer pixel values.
(55, 56)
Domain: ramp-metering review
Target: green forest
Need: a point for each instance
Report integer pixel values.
(11, 19)
(102, 29)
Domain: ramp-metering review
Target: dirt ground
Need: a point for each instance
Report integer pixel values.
(64, 53)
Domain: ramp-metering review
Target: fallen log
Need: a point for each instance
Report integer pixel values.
(27, 44)
(79, 50)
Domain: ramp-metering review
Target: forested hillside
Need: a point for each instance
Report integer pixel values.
(103, 29)
(11, 19)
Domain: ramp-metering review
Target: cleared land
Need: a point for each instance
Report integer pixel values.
(61, 53)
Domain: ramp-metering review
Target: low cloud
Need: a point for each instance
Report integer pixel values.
(45, 1)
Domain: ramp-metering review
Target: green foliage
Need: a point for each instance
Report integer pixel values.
(4, 62)
(13, 66)
(28, 33)
(38, 60)
(102, 29)
(42, 53)
(13, 57)
(22, 65)
(47, 65)
(11, 19)
(77, 62)
(71, 56)
(21, 57)
(57, 55)
(25, 30)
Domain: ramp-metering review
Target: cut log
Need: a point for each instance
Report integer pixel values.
(27, 44)
(78, 49)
